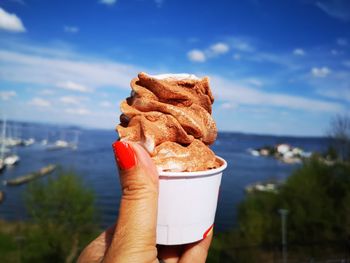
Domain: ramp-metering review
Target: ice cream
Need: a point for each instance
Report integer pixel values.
(170, 115)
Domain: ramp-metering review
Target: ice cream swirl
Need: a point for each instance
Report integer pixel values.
(171, 116)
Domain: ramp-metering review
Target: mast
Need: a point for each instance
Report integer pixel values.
(3, 134)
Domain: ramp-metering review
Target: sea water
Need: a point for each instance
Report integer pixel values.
(93, 160)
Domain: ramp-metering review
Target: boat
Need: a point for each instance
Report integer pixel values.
(63, 144)
(11, 160)
(11, 140)
(254, 152)
(2, 147)
(75, 142)
(45, 141)
(269, 187)
(31, 176)
(28, 142)
(59, 144)
(2, 166)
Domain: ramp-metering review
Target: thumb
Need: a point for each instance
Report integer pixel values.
(134, 239)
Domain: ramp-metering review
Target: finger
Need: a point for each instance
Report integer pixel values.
(169, 254)
(96, 250)
(135, 234)
(198, 251)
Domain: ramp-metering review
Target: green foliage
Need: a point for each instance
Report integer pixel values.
(63, 212)
(8, 249)
(317, 197)
(340, 132)
(253, 220)
(331, 153)
(6, 243)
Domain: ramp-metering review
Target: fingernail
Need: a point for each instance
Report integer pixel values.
(124, 155)
(209, 231)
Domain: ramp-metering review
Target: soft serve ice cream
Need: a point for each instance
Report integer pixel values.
(170, 115)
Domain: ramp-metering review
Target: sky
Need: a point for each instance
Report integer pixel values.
(275, 66)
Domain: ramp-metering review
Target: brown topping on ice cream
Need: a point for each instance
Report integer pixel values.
(171, 156)
(171, 117)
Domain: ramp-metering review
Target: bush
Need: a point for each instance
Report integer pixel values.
(317, 197)
(63, 215)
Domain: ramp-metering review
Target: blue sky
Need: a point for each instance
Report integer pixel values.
(276, 67)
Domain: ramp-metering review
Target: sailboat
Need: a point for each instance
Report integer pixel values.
(62, 143)
(12, 158)
(12, 140)
(74, 143)
(28, 142)
(2, 148)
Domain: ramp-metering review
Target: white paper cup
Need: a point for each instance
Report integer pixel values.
(187, 205)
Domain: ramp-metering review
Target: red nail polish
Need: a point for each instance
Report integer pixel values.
(209, 231)
(124, 155)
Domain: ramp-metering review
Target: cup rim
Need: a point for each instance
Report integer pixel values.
(197, 173)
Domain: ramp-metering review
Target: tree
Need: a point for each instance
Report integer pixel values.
(63, 213)
(317, 197)
(340, 132)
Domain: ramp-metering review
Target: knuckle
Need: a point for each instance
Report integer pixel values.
(137, 184)
(135, 189)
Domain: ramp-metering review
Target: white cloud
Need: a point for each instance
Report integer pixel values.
(108, 2)
(46, 92)
(46, 69)
(242, 46)
(255, 82)
(219, 48)
(106, 104)
(69, 70)
(70, 100)
(196, 55)
(71, 29)
(299, 52)
(228, 106)
(231, 92)
(335, 86)
(78, 111)
(70, 85)
(320, 72)
(342, 41)
(346, 63)
(7, 94)
(339, 9)
(278, 59)
(40, 102)
(334, 52)
(236, 56)
(21, 2)
(10, 22)
(339, 93)
(159, 3)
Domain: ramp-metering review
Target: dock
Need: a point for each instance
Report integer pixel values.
(31, 176)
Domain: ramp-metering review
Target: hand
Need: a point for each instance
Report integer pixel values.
(133, 238)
